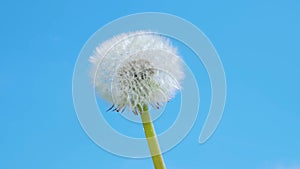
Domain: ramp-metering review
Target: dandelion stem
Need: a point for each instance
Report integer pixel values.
(151, 139)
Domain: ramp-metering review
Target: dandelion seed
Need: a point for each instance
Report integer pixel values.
(136, 69)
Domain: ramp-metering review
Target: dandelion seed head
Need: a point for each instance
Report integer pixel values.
(135, 69)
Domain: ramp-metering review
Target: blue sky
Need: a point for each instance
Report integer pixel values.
(258, 43)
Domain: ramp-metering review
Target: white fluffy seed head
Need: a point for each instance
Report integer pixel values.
(136, 69)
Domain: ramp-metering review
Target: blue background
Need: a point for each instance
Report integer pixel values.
(258, 43)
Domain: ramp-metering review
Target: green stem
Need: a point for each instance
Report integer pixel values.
(152, 139)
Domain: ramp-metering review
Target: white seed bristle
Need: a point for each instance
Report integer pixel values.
(136, 69)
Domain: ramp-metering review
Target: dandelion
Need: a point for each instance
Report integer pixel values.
(135, 71)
